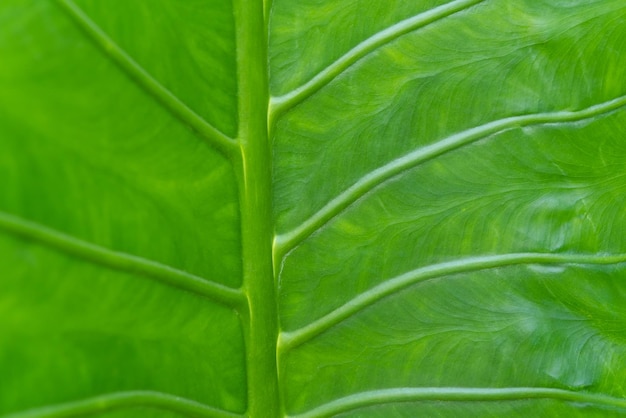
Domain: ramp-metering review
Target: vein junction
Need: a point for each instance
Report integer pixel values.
(292, 339)
(119, 261)
(287, 241)
(280, 104)
(215, 138)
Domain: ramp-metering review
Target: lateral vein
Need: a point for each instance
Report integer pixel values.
(124, 400)
(211, 135)
(120, 261)
(289, 240)
(280, 104)
(292, 339)
(458, 394)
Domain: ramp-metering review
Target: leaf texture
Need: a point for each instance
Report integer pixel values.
(89, 154)
(461, 180)
(312, 209)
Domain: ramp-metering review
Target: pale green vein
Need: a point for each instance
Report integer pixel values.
(205, 130)
(292, 339)
(278, 105)
(460, 394)
(120, 261)
(125, 400)
(285, 242)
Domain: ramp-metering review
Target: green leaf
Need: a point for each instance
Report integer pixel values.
(218, 208)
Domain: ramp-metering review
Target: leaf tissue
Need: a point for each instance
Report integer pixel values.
(312, 208)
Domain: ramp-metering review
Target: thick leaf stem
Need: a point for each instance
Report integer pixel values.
(290, 340)
(287, 241)
(210, 134)
(254, 170)
(120, 261)
(126, 400)
(447, 394)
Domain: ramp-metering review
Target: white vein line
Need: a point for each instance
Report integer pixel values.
(459, 394)
(283, 243)
(204, 129)
(279, 104)
(292, 339)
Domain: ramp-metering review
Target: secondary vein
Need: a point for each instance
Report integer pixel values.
(211, 135)
(280, 104)
(292, 339)
(289, 240)
(460, 394)
(120, 261)
(126, 400)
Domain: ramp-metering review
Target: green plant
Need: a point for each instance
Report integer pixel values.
(389, 208)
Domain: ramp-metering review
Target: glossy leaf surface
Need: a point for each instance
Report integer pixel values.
(312, 208)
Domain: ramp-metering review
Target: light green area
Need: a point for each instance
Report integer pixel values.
(218, 208)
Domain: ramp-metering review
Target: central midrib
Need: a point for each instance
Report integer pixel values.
(253, 168)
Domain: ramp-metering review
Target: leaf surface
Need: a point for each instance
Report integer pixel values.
(313, 209)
